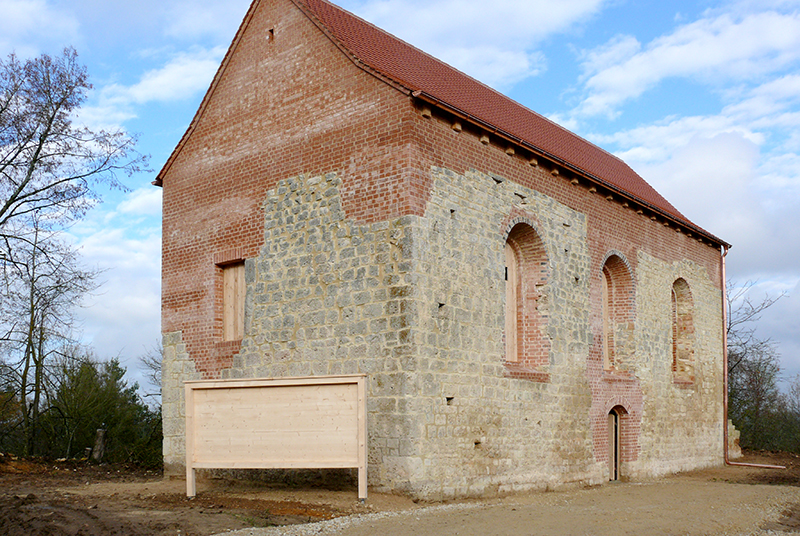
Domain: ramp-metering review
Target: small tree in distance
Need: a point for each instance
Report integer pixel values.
(93, 395)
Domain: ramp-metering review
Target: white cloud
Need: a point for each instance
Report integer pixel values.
(144, 201)
(185, 75)
(198, 18)
(114, 247)
(496, 66)
(780, 176)
(713, 49)
(30, 27)
(494, 42)
(710, 180)
(657, 142)
(774, 94)
(122, 239)
(123, 317)
(104, 116)
(607, 56)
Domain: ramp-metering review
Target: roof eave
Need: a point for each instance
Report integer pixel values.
(485, 125)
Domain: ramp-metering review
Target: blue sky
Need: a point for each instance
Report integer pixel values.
(701, 98)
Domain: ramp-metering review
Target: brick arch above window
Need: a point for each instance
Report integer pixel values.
(520, 219)
(618, 312)
(527, 348)
(683, 333)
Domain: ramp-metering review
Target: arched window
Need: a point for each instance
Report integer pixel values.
(608, 333)
(617, 313)
(682, 331)
(526, 313)
(512, 304)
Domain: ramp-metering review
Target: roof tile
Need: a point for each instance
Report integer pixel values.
(389, 57)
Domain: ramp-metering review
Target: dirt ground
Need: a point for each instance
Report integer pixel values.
(79, 499)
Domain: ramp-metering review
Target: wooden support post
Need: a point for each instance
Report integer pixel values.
(191, 480)
(362, 440)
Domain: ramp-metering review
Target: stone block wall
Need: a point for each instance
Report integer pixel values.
(486, 431)
(417, 304)
(373, 238)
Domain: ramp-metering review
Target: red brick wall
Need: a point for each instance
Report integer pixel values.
(283, 106)
(294, 104)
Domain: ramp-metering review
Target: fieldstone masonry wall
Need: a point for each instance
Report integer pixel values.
(484, 431)
(681, 422)
(177, 366)
(330, 296)
(417, 303)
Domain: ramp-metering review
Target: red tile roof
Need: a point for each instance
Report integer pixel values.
(423, 75)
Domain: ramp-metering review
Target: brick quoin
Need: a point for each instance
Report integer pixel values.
(287, 103)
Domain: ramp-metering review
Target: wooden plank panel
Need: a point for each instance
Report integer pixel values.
(191, 486)
(277, 423)
(233, 294)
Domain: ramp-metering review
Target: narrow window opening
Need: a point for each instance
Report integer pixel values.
(683, 335)
(617, 309)
(608, 335)
(527, 348)
(614, 450)
(512, 303)
(233, 293)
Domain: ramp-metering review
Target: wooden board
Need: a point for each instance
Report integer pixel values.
(290, 423)
(233, 293)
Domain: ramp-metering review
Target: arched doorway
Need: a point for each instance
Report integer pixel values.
(614, 447)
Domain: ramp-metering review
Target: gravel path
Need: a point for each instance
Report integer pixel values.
(676, 505)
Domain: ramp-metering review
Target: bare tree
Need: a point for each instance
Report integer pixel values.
(151, 361)
(756, 405)
(44, 286)
(49, 166)
(50, 169)
(743, 316)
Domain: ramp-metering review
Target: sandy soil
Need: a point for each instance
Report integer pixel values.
(77, 499)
